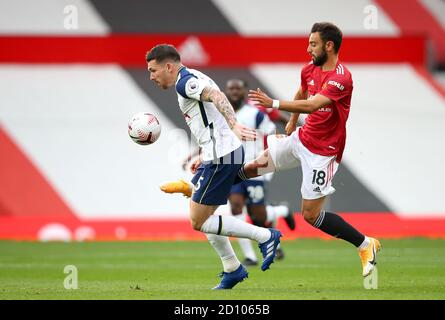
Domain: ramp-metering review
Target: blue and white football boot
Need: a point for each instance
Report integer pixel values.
(231, 279)
(269, 248)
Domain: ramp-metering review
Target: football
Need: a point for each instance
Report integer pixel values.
(144, 128)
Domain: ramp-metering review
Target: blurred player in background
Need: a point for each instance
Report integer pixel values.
(274, 115)
(213, 124)
(250, 193)
(325, 94)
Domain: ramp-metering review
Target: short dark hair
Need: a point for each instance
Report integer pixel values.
(328, 32)
(163, 52)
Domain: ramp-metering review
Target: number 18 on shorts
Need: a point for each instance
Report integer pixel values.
(317, 182)
(318, 171)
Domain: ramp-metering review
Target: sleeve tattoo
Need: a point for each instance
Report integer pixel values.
(221, 102)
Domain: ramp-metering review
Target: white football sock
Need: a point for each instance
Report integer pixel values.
(271, 216)
(225, 251)
(233, 227)
(246, 244)
(365, 243)
(281, 211)
(273, 212)
(247, 248)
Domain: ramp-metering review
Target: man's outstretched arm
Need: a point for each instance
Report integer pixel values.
(295, 106)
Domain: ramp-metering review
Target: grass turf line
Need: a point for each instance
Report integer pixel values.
(312, 269)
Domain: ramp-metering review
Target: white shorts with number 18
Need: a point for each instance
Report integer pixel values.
(318, 171)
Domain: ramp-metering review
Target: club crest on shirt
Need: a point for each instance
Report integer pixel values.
(192, 86)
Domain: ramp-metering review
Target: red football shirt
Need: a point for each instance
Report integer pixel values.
(324, 131)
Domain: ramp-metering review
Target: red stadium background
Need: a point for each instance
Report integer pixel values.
(44, 196)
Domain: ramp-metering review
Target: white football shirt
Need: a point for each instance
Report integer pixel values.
(208, 126)
(252, 117)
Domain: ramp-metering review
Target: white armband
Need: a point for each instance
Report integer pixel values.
(276, 104)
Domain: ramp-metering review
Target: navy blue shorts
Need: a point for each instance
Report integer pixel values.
(253, 190)
(214, 179)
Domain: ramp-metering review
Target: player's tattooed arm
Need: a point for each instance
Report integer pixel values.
(221, 102)
(223, 105)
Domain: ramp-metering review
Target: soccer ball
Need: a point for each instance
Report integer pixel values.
(144, 128)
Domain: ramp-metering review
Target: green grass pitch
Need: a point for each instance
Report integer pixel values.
(312, 269)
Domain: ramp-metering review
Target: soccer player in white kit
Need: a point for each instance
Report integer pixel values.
(213, 124)
(252, 193)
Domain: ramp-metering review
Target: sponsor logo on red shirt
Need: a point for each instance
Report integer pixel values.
(324, 131)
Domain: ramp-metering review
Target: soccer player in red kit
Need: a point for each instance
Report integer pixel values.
(325, 94)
